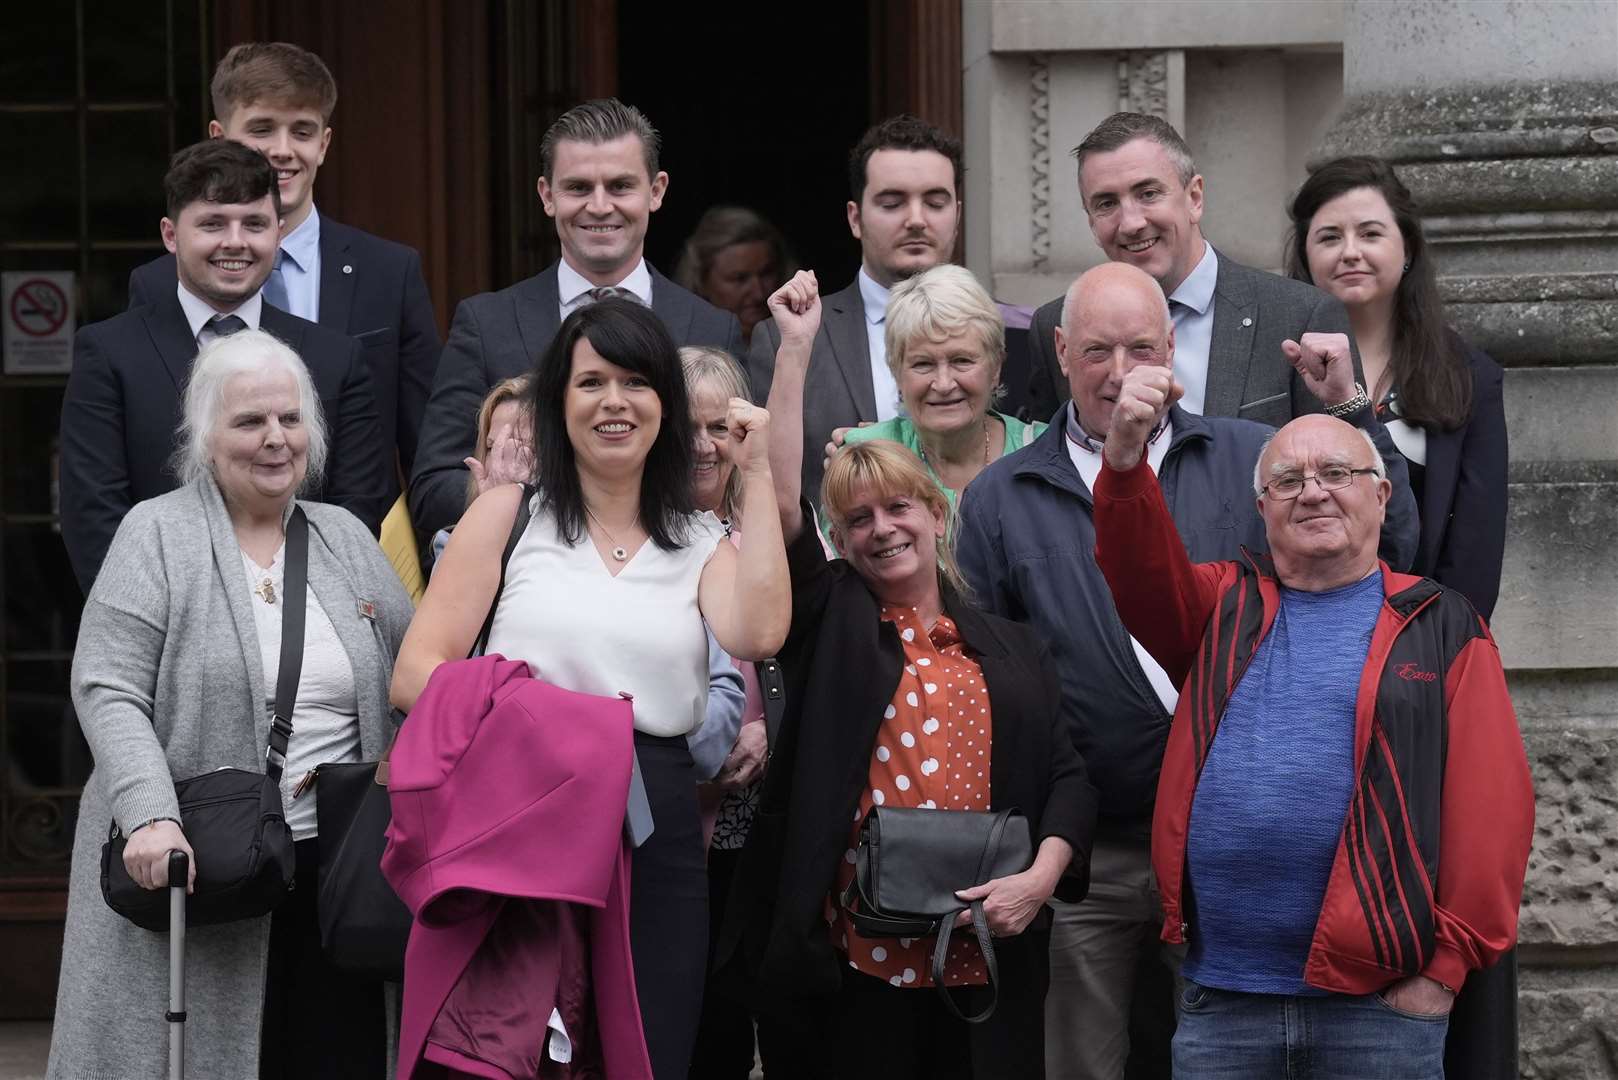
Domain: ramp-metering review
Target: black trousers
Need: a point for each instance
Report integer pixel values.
(668, 907)
(319, 1023)
(725, 1037)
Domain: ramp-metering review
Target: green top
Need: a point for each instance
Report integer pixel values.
(903, 432)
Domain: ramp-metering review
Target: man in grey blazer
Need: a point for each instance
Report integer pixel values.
(904, 209)
(1143, 198)
(600, 182)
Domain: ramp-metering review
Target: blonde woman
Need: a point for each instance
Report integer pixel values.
(946, 344)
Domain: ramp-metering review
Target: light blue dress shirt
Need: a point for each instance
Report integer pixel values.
(297, 265)
(875, 298)
(1192, 306)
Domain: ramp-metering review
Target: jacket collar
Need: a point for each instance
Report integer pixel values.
(337, 274)
(1046, 458)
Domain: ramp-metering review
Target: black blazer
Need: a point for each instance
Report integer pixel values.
(372, 290)
(1463, 496)
(121, 420)
(1248, 376)
(842, 663)
(498, 336)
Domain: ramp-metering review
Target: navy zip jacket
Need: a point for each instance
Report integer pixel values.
(1026, 544)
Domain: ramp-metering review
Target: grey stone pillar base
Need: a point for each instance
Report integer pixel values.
(1518, 185)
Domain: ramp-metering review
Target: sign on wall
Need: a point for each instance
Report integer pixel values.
(38, 311)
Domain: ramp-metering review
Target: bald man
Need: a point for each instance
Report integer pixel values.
(1026, 543)
(1344, 791)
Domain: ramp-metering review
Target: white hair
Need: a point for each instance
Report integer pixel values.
(237, 354)
(1258, 476)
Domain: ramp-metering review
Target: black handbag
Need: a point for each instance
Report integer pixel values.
(909, 864)
(364, 926)
(232, 818)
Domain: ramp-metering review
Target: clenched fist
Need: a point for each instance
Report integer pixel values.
(796, 308)
(1148, 392)
(1326, 365)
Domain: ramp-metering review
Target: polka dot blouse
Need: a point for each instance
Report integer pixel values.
(932, 751)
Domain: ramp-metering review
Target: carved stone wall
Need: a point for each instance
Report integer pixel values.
(1505, 126)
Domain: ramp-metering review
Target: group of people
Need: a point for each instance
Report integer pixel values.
(1212, 618)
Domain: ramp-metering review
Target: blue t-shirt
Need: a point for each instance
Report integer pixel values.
(1270, 803)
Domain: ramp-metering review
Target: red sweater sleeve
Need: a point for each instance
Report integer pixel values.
(1486, 819)
(1163, 597)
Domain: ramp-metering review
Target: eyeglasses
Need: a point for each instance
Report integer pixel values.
(1331, 478)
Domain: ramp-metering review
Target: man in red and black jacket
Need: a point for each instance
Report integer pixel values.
(1344, 813)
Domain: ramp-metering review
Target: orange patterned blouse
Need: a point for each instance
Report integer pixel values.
(932, 751)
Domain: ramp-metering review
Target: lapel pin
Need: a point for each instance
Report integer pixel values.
(347, 269)
(1245, 322)
(367, 610)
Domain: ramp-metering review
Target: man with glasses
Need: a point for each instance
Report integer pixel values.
(1345, 811)
(1026, 543)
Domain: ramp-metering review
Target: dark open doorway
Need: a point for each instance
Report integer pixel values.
(752, 113)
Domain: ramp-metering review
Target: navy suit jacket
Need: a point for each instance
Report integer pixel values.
(372, 290)
(1463, 493)
(501, 335)
(1248, 376)
(121, 420)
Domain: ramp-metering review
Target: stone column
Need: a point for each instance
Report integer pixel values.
(1503, 120)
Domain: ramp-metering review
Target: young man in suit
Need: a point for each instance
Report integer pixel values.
(121, 411)
(600, 182)
(278, 99)
(904, 209)
(1143, 197)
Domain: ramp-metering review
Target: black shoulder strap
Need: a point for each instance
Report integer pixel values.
(294, 590)
(773, 687)
(519, 525)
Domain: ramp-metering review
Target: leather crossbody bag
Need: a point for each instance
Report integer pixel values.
(909, 864)
(232, 818)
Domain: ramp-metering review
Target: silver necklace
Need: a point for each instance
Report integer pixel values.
(619, 552)
(985, 446)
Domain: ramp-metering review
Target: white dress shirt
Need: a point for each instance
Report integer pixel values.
(572, 287)
(1088, 461)
(198, 313)
(1192, 307)
(300, 268)
(886, 388)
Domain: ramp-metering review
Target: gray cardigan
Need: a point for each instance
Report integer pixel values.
(168, 683)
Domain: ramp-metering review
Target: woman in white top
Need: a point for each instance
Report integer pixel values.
(174, 675)
(607, 592)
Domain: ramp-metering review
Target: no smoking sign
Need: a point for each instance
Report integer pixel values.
(38, 312)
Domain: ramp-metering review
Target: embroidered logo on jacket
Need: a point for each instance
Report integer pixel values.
(1411, 673)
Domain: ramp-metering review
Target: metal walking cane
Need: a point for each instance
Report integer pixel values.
(179, 871)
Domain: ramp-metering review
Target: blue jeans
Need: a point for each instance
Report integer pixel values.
(1224, 1035)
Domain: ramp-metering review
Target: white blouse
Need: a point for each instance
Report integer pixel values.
(325, 717)
(640, 633)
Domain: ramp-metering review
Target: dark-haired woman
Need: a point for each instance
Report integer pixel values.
(1356, 234)
(607, 592)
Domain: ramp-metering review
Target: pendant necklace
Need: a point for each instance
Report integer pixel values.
(266, 591)
(985, 447)
(619, 552)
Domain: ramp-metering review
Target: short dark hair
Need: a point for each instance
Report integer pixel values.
(599, 121)
(628, 334)
(218, 171)
(276, 72)
(902, 132)
(1122, 128)
(1433, 380)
